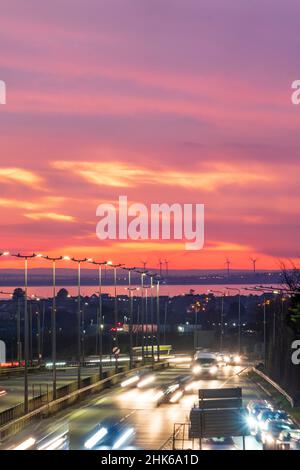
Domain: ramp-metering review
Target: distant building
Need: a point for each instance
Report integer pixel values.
(2, 352)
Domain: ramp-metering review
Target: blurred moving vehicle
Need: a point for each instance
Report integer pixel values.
(270, 434)
(205, 365)
(138, 379)
(57, 439)
(2, 392)
(228, 359)
(110, 435)
(289, 440)
(219, 443)
(172, 393)
(255, 407)
(268, 415)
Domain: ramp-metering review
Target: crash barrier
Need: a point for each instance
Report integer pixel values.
(44, 396)
(67, 396)
(275, 385)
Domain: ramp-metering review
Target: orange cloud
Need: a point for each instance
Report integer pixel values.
(51, 216)
(19, 175)
(122, 175)
(43, 203)
(225, 246)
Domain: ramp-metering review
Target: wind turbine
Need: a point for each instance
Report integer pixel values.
(167, 266)
(254, 264)
(228, 263)
(144, 263)
(160, 266)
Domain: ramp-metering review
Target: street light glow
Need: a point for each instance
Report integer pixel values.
(5, 253)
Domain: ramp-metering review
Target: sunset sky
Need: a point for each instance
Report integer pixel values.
(184, 101)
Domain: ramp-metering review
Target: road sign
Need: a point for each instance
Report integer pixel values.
(218, 422)
(206, 393)
(116, 350)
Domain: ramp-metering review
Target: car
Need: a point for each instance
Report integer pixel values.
(205, 365)
(2, 392)
(234, 360)
(58, 439)
(270, 415)
(273, 429)
(254, 407)
(110, 434)
(288, 440)
(168, 394)
(219, 443)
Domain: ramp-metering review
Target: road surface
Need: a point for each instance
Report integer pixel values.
(153, 425)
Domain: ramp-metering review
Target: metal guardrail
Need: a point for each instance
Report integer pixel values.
(275, 385)
(16, 425)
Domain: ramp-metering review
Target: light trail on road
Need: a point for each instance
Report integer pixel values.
(136, 408)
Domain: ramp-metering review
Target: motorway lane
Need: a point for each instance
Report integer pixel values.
(153, 425)
(14, 385)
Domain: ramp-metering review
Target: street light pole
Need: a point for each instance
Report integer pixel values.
(115, 267)
(158, 319)
(130, 292)
(239, 314)
(152, 320)
(258, 289)
(26, 327)
(100, 316)
(53, 323)
(143, 274)
(222, 316)
(152, 275)
(79, 261)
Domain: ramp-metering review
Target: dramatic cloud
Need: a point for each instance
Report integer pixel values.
(122, 175)
(50, 215)
(19, 176)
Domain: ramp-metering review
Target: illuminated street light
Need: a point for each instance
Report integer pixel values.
(143, 274)
(157, 278)
(26, 326)
(130, 291)
(53, 321)
(4, 253)
(115, 267)
(152, 275)
(79, 261)
(239, 314)
(99, 334)
(223, 294)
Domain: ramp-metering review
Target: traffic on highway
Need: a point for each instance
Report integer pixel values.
(142, 411)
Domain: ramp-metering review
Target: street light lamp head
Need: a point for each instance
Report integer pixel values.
(5, 253)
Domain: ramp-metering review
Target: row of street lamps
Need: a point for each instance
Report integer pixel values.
(152, 276)
(264, 290)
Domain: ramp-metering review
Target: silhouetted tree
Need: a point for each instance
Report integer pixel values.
(18, 294)
(292, 281)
